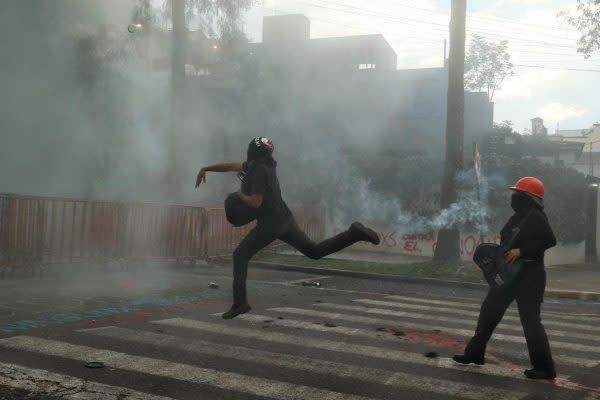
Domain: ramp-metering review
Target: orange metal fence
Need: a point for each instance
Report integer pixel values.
(41, 230)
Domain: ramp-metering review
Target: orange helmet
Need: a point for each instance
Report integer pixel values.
(530, 185)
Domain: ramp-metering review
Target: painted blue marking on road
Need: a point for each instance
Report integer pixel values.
(135, 305)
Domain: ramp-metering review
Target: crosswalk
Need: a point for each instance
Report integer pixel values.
(361, 348)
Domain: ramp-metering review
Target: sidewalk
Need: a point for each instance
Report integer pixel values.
(576, 278)
(581, 281)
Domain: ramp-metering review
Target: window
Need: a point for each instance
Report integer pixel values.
(366, 66)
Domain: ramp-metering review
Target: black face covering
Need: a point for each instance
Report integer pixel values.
(520, 201)
(259, 152)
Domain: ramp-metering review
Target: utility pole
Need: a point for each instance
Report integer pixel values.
(178, 43)
(448, 240)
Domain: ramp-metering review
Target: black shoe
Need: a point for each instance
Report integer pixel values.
(540, 374)
(234, 311)
(462, 359)
(364, 234)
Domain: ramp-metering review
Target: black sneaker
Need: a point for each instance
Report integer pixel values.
(234, 311)
(363, 233)
(462, 359)
(540, 374)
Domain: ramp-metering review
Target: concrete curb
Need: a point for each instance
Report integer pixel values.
(572, 294)
(554, 293)
(365, 275)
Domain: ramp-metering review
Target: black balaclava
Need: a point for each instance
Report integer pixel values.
(521, 201)
(260, 150)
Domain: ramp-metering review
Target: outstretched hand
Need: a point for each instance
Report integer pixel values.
(201, 178)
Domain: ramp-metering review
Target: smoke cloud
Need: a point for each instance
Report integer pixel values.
(87, 116)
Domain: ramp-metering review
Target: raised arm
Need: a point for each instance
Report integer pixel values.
(224, 167)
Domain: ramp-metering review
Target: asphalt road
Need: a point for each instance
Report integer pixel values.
(159, 334)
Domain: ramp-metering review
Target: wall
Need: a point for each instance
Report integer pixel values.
(394, 242)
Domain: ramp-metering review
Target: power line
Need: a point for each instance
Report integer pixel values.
(405, 37)
(558, 68)
(362, 28)
(472, 15)
(485, 34)
(476, 17)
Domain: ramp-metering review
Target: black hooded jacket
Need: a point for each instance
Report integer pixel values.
(535, 236)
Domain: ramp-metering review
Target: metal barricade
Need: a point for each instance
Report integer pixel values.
(43, 230)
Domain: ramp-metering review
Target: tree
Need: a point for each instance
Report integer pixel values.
(219, 19)
(586, 19)
(487, 65)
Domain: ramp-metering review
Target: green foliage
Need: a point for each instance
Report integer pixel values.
(586, 19)
(219, 19)
(487, 64)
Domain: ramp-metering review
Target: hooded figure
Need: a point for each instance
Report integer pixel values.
(534, 237)
(261, 199)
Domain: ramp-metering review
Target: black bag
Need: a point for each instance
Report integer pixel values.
(237, 212)
(491, 259)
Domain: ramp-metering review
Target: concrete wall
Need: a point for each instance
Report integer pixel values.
(394, 242)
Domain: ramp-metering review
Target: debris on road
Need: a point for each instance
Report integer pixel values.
(279, 317)
(95, 364)
(311, 283)
(330, 325)
(213, 285)
(432, 354)
(267, 321)
(395, 332)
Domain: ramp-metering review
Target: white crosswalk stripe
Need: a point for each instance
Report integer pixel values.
(477, 306)
(183, 372)
(470, 323)
(305, 344)
(386, 323)
(336, 346)
(497, 336)
(378, 376)
(474, 314)
(64, 386)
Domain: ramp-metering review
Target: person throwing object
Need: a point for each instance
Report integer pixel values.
(261, 193)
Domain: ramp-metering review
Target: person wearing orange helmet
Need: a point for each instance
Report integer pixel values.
(531, 236)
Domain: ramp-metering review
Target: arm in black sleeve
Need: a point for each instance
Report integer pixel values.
(541, 240)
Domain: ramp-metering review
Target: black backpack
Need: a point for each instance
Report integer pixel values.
(237, 212)
(491, 259)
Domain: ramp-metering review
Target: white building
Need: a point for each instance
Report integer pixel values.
(589, 161)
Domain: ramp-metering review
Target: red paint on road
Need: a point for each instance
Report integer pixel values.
(434, 338)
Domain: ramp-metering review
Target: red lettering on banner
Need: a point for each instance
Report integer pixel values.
(412, 246)
(468, 245)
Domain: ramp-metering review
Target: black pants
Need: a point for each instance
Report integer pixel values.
(264, 234)
(528, 291)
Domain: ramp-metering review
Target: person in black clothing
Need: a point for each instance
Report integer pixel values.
(261, 191)
(534, 238)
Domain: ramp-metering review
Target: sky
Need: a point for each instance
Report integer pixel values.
(542, 46)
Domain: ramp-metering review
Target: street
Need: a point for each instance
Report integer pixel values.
(159, 335)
